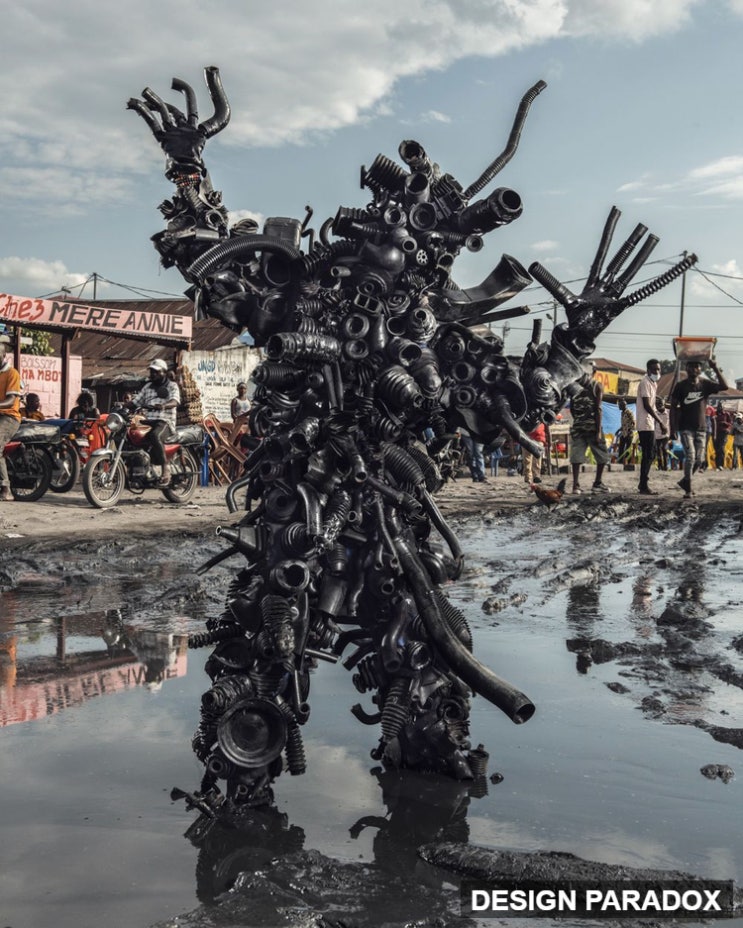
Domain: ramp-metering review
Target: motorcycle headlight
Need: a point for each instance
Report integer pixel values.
(115, 422)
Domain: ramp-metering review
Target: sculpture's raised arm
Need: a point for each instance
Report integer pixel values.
(196, 218)
(493, 393)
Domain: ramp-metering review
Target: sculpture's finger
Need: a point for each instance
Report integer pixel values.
(594, 274)
(177, 115)
(192, 112)
(623, 252)
(221, 115)
(158, 105)
(139, 107)
(657, 284)
(637, 262)
(551, 284)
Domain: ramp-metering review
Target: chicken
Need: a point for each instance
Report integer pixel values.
(550, 496)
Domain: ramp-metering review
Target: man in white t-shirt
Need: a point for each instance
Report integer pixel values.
(647, 417)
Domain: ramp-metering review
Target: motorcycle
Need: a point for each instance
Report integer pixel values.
(79, 439)
(125, 463)
(29, 456)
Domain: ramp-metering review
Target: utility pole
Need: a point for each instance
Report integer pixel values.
(95, 283)
(683, 298)
(506, 330)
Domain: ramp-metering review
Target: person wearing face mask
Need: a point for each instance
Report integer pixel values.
(159, 398)
(647, 417)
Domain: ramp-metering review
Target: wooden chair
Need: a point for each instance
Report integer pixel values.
(225, 460)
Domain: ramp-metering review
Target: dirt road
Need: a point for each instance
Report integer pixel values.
(69, 515)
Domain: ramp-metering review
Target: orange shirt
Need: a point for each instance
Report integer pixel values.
(10, 382)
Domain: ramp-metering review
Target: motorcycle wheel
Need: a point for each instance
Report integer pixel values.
(102, 485)
(37, 470)
(183, 486)
(66, 471)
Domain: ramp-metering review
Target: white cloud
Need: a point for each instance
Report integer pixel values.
(69, 68)
(731, 164)
(632, 185)
(631, 19)
(435, 116)
(721, 179)
(42, 276)
(546, 245)
(731, 282)
(729, 190)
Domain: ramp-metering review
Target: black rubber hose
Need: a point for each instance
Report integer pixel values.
(237, 247)
(221, 115)
(516, 705)
(188, 91)
(513, 141)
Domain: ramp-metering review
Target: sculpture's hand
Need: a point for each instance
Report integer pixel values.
(180, 135)
(601, 300)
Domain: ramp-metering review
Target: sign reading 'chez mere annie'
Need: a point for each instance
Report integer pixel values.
(104, 319)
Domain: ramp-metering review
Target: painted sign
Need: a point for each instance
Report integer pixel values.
(43, 376)
(30, 700)
(217, 374)
(610, 382)
(57, 314)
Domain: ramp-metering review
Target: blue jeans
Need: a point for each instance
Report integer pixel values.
(476, 458)
(693, 443)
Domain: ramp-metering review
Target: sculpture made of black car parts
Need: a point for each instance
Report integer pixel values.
(367, 347)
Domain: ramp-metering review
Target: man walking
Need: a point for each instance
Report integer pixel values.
(530, 461)
(688, 402)
(647, 416)
(10, 411)
(626, 433)
(587, 432)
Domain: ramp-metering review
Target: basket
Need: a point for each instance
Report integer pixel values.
(694, 348)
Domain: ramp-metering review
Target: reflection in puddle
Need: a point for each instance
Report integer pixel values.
(79, 657)
(595, 773)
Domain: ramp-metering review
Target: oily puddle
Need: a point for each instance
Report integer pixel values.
(621, 629)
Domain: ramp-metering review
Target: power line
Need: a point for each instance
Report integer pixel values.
(718, 287)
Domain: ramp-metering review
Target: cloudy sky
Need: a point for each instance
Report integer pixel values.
(642, 110)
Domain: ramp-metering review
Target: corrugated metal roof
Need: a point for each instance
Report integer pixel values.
(617, 367)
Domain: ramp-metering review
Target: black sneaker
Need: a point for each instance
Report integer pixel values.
(685, 485)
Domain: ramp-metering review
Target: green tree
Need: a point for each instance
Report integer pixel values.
(41, 343)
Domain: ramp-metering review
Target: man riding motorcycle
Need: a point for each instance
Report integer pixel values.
(159, 398)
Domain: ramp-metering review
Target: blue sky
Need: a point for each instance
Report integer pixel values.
(642, 110)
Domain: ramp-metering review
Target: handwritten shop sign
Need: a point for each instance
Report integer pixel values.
(43, 376)
(217, 374)
(56, 314)
(610, 382)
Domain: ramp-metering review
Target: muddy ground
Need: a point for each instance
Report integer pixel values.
(68, 515)
(671, 668)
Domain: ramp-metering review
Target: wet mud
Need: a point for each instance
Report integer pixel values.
(644, 600)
